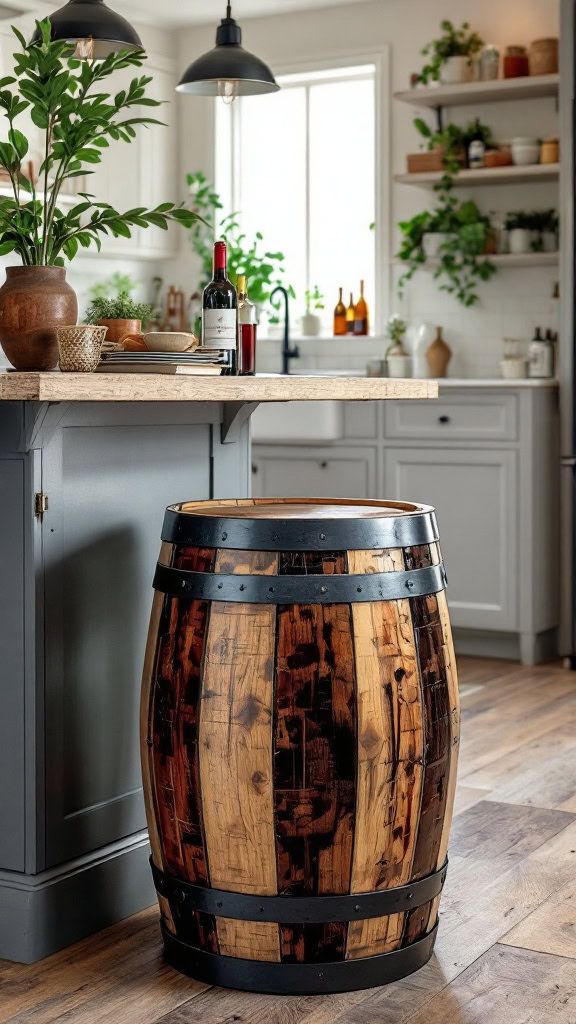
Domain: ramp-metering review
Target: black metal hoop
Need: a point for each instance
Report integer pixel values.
(297, 979)
(334, 589)
(300, 909)
(244, 534)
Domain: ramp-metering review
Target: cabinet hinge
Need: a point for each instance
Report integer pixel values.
(40, 504)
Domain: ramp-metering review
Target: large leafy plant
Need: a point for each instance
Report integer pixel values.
(65, 99)
(462, 262)
(264, 270)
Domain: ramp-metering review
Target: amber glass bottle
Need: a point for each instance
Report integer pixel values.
(350, 316)
(340, 317)
(361, 315)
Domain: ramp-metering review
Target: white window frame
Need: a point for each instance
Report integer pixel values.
(382, 181)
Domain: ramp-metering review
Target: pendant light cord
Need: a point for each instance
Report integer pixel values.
(228, 11)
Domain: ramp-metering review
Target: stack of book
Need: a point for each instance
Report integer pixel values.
(203, 362)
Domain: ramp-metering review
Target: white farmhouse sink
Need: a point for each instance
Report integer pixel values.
(297, 421)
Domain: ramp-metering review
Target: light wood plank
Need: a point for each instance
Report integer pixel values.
(150, 387)
(535, 773)
(507, 986)
(235, 747)
(551, 928)
(390, 752)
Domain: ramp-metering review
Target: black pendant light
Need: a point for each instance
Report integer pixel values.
(228, 70)
(92, 28)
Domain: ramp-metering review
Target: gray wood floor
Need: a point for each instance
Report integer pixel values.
(506, 951)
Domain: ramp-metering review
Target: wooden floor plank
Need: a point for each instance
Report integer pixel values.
(551, 928)
(507, 986)
(510, 885)
(535, 774)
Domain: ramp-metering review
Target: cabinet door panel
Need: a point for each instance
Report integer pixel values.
(475, 496)
(108, 486)
(313, 472)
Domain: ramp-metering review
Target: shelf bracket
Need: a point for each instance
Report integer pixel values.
(236, 414)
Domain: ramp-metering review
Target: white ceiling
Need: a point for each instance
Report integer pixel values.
(189, 12)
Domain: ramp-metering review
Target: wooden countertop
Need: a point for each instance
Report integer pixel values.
(146, 387)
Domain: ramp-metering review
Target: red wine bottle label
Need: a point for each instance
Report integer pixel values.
(219, 328)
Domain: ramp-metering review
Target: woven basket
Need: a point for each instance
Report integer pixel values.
(80, 348)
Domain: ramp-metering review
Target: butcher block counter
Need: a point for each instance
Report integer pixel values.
(88, 463)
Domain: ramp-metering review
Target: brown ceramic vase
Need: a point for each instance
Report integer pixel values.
(122, 331)
(438, 355)
(34, 302)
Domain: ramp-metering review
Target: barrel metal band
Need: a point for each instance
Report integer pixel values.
(300, 909)
(402, 531)
(330, 589)
(298, 978)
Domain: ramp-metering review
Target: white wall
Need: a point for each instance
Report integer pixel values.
(516, 300)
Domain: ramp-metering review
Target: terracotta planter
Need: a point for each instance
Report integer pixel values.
(34, 302)
(120, 331)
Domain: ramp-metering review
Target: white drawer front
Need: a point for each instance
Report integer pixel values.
(457, 417)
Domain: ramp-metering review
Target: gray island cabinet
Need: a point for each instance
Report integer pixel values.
(88, 464)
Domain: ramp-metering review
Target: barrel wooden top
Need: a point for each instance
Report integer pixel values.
(147, 387)
(299, 508)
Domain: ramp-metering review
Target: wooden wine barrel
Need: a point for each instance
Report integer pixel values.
(300, 730)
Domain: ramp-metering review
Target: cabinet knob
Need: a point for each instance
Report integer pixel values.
(443, 419)
(323, 465)
(254, 468)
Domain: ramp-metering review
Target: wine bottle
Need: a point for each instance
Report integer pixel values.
(361, 317)
(247, 321)
(219, 312)
(340, 317)
(350, 316)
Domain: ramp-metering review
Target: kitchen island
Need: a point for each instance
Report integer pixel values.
(88, 463)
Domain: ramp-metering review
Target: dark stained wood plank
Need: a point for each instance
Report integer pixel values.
(436, 788)
(515, 986)
(315, 762)
(235, 741)
(174, 716)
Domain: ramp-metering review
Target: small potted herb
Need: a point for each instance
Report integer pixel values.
(545, 226)
(397, 357)
(450, 57)
(310, 323)
(519, 225)
(122, 316)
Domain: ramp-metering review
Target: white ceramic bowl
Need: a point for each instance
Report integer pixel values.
(525, 151)
(158, 341)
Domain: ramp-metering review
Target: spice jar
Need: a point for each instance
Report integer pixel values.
(516, 62)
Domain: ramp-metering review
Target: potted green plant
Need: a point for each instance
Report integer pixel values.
(66, 99)
(310, 322)
(450, 56)
(398, 360)
(123, 317)
(459, 255)
(519, 225)
(545, 225)
(453, 141)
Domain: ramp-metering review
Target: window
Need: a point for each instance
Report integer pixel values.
(299, 167)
